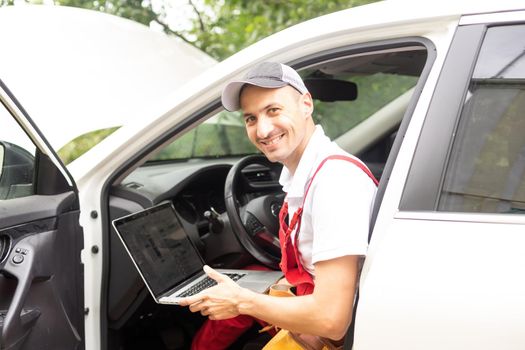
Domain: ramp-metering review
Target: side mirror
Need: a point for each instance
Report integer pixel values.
(16, 174)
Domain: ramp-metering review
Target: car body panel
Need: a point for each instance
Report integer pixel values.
(437, 284)
(441, 280)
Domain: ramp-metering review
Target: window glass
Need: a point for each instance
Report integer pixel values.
(83, 143)
(222, 135)
(374, 92)
(381, 77)
(17, 159)
(486, 169)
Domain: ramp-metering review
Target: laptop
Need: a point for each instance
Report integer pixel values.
(168, 261)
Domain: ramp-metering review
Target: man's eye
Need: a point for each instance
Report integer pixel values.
(249, 119)
(273, 110)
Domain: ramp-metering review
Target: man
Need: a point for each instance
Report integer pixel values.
(329, 197)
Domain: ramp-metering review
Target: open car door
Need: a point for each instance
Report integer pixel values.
(41, 274)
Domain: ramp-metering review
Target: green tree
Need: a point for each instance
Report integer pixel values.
(81, 144)
(235, 24)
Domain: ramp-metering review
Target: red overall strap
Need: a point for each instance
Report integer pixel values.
(290, 261)
(340, 157)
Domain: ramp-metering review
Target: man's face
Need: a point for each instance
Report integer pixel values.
(277, 121)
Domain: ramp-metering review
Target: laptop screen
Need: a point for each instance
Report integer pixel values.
(161, 249)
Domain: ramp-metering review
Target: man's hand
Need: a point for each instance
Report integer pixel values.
(218, 302)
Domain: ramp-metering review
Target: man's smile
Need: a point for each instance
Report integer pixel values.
(272, 140)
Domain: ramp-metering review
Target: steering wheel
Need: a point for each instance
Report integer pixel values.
(253, 208)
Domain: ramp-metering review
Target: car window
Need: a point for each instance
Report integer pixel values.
(375, 90)
(220, 136)
(486, 167)
(224, 134)
(17, 159)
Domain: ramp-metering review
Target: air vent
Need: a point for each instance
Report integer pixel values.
(134, 185)
(5, 244)
(258, 176)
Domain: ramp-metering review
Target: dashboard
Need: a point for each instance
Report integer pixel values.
(194, 187)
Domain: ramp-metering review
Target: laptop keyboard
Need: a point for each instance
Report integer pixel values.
(207, 283)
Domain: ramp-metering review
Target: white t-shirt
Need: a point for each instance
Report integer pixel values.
(336, 213)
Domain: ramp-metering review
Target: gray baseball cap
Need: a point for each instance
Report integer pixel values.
(270, 75)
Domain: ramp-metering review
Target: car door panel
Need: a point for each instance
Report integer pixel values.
(444, 268)
(15, 211)
(436, 285)
(40, 272)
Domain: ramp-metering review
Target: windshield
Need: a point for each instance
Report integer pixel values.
(222, 135)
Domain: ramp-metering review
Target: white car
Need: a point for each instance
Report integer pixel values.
(430, 95)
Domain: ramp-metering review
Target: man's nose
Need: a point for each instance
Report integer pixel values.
(264, 127)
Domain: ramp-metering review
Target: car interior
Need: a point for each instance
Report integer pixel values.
(226, 194)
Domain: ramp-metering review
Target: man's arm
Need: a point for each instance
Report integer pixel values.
(327, 312)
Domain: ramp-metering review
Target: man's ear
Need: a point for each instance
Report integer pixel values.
(307, 104)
